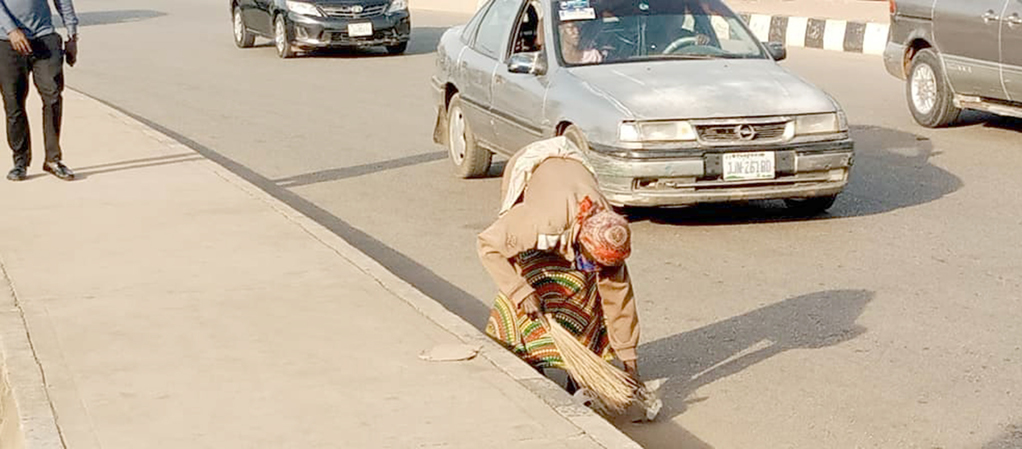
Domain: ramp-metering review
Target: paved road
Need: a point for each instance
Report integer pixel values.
(892, 322)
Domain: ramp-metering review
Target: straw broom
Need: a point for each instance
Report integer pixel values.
(615, 390)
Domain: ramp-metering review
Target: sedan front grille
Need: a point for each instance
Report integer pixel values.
(742, 133)
(355, 11)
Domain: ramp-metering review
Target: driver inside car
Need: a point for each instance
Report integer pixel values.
(679, 27)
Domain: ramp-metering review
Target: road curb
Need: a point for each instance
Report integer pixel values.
(825, 34)
(27, 419)
(594, 426)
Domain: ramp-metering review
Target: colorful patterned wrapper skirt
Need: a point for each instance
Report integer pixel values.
(571, 296)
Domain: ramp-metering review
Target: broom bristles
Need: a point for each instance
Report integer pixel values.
(615, 389)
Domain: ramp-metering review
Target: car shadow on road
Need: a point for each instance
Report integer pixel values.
(93, 18)
(975, 118)
(893, 170)
(694, 359)
(423, 42)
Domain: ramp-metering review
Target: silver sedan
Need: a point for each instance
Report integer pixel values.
(674, 102)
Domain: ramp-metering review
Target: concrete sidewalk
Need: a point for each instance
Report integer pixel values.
(166, 303)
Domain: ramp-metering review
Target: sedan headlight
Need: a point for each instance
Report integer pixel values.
(303, 8)
(397, 5)
(656, 132)
(831, 123)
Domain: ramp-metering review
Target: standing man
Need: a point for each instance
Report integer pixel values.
(30, 45)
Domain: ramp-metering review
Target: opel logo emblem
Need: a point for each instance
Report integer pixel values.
(357, 9)
(745, 132)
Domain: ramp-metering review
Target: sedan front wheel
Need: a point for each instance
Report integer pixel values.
(282, 38)
(470, 160)
(810, 206)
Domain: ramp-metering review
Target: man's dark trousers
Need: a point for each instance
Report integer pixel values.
(46, 64)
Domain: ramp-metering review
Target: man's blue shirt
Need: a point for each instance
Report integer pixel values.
(33, 17)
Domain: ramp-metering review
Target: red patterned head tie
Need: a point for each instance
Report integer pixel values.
(586, 209)
(607, 237)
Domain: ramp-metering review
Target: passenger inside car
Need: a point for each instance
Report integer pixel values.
(529, 37)
(572, 48)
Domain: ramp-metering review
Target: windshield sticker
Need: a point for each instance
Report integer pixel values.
(574, 4)
(567, 15)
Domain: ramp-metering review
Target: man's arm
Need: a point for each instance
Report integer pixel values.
(67, 14)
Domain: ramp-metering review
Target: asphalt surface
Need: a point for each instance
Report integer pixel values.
(892, 321)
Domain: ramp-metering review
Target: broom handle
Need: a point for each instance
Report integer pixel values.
(545, 319)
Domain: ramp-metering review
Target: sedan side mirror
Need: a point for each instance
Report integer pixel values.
(777, 50)
(531, 63)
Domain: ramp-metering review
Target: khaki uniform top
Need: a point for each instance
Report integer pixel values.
(545, 219)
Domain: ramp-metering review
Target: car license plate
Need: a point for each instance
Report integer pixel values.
(360, 29)
(748, 166)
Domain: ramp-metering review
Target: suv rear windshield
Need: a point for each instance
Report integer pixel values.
(612, 31)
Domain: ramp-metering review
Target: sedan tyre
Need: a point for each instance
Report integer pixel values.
(929, 96)
(470, 161)
(282, 38)
(810, 206)
(243, 38)
(575, 135)
(397, 49)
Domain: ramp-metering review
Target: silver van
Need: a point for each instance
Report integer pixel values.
(956, 55)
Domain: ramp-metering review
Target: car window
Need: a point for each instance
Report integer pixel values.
(496, 26)
(473, 25)
(528, 31)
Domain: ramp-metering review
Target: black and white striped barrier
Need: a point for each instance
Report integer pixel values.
(828, 34)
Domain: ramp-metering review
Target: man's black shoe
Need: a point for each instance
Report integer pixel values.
(58, 169)
(18, 173)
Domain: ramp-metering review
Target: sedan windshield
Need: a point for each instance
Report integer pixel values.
(611, 31)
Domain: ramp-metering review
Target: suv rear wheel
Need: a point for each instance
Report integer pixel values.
(929, 96)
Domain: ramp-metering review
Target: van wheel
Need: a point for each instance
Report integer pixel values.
(470, 161)
(810, 206)
(929, 96)
(242, 37)
(282, 38)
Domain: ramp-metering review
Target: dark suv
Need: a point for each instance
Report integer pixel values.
(955, 55)
(296, 25)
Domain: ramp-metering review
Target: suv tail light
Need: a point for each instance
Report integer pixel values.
(894, 7)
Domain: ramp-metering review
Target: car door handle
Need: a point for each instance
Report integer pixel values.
(499, 79)
(1014, 20)
(990, 16)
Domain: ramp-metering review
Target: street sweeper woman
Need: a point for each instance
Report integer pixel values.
(558, 251)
